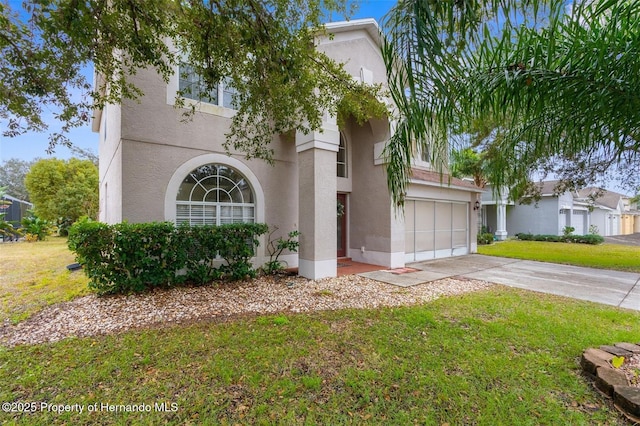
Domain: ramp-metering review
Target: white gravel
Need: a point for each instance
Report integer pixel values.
(93, 315)
(631, 368)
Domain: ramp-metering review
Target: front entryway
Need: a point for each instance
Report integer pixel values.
(342, 225)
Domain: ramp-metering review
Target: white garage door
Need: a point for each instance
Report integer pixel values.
(577, 222)
(435, 229)
(614, 224)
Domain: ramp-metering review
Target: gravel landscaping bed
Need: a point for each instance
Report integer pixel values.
(93, 315)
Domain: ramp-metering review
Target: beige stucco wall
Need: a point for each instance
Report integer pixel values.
(110, 166)
(317, 204)
(370, 216)
(355, 49)
(372, 227)
(155, 143)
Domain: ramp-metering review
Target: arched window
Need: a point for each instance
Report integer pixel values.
(342, 157)
(215, 194)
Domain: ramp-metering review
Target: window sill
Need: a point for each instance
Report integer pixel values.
(208, 108)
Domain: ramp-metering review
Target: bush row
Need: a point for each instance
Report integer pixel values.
(584, 239)
(133, 257)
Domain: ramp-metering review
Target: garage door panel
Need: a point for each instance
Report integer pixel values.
(459, 226)
(424, 215)
(459, 238)
(459, 215)
(443, 239)
(435, 229)
(443, 216)
(409, 226)
(424, 240)
(409, 216)
(578, 223)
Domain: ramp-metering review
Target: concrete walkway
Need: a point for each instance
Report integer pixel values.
(597, 285)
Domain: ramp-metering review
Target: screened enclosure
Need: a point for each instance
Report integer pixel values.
(435, 229)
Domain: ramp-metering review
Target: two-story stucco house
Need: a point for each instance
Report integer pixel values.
(153, 167)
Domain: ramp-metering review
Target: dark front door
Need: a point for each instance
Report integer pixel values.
(342, 225)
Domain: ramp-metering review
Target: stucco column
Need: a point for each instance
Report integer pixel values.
(501, 213)
(570, 220)
(317, 182)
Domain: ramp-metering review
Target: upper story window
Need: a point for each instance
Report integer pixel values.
(192, 86)
(422, 158)
(424, 155)
(342, 157)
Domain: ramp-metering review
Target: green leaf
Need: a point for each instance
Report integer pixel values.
(617, 361)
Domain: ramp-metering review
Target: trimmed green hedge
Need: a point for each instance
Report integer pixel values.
(583, 239)
(133, 257)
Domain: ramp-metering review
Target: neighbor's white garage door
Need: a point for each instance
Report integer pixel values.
(577, 222)
(435, 229)
(614, 224)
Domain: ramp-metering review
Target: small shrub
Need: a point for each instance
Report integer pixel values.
(587, 239)
(275, 249)
(568, 230)
(237, 243)
(8, 230)
(36, 226)
(593, 230)
(201, 246)
(548, 238)
(63, 225)
(485, 238)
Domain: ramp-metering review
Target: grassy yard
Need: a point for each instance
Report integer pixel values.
(605, 256)
(33, 275)
(497, 357)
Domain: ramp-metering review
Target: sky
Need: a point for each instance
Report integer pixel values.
(32, 145)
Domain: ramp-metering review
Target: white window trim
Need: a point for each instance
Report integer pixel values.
(345, 149)
(181, 172)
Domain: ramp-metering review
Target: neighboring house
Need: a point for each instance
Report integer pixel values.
(15, 211)
(588, 210)
(612, 213)
(153, 167)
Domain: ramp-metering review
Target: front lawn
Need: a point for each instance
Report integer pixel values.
(34, 275)
(497, 357)
(604, 256)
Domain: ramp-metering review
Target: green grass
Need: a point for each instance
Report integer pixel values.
(34, 275)
(497, 357)
(604, 256)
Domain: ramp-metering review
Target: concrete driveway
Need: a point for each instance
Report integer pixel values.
(596, 285)
(627, 240)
